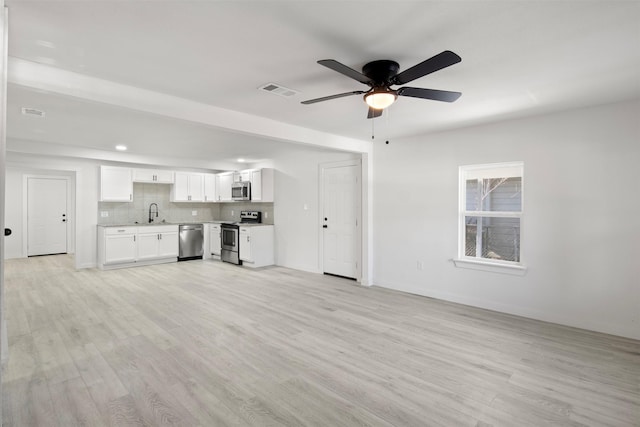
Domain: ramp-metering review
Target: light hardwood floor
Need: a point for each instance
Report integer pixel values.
(210, 344)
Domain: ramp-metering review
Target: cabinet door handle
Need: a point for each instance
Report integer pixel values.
(130, 196)
(325, 226)
(134, 237)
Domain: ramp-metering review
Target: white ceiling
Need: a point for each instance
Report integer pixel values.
(518, 58)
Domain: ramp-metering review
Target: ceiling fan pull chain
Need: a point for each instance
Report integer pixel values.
(372, 129)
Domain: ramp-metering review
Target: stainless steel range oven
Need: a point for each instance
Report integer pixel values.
(231, 236)
(230, 243)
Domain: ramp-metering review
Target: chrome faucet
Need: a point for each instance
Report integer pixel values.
(151, 212)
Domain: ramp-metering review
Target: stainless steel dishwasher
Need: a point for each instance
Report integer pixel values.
(191, 242)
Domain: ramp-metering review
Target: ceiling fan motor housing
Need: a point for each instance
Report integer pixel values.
(380, 72)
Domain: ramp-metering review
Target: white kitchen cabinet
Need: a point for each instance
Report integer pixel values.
(128, 246)
(154, 176)
(256, 245)
(116, 184)
(155, 242)
(215, 239)
(243, 175)
(169, 243)
(188, 187)
(117, 245)
(261, 184)
(223, 186)
(245, 252)
(210, 188)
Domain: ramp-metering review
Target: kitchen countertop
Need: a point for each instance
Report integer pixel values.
(145, 224)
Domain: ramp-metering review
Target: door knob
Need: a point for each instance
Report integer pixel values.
(325, 226)
(64, 220)
(7, 232)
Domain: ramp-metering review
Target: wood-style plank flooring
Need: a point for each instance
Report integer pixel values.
(203, 343)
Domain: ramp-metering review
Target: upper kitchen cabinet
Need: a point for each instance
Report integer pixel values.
(223, 186)
(188, 187)
(261, 184)
(154, 176)
(210, 194)
(244, 175)
(116, 184)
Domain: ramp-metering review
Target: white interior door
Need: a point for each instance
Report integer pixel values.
(341, 210)
(46, 216)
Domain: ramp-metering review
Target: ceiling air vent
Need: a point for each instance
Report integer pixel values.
(276, 89)
(32, 112)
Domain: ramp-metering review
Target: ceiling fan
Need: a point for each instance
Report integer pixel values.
(382, 74)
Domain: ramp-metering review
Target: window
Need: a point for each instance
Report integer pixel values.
(491, 213)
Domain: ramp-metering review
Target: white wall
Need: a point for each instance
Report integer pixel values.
(86, 199)
(580, 231)
(15, 212)
(297, 231)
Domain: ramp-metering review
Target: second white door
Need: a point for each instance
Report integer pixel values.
(341, 210)
(46, 216)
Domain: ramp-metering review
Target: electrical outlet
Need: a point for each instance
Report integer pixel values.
(266, 215)
(232, 212)
(104, 214)
(420, 265)
(194, 213)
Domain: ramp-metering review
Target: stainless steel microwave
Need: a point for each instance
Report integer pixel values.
(241, 190)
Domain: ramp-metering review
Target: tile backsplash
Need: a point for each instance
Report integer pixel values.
(231, 211)
(145, 194)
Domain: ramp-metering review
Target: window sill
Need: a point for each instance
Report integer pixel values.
(516, 270)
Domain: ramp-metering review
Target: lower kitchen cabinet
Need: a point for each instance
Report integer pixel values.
(215, 239)
(119, 245)
(157, 242)
(129, 246)
(256, 245)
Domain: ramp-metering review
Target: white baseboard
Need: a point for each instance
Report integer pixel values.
(627, 331)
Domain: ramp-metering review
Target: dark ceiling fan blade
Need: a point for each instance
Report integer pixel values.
(436, 95)
(435, 63)
(327, 98)
(373, 113)
(343, 69)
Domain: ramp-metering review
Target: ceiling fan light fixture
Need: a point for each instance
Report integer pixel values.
(380, 99)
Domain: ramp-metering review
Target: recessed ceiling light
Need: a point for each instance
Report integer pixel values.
(121, 147)
(241, 160)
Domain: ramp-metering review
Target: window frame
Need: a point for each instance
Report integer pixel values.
(490, 170)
